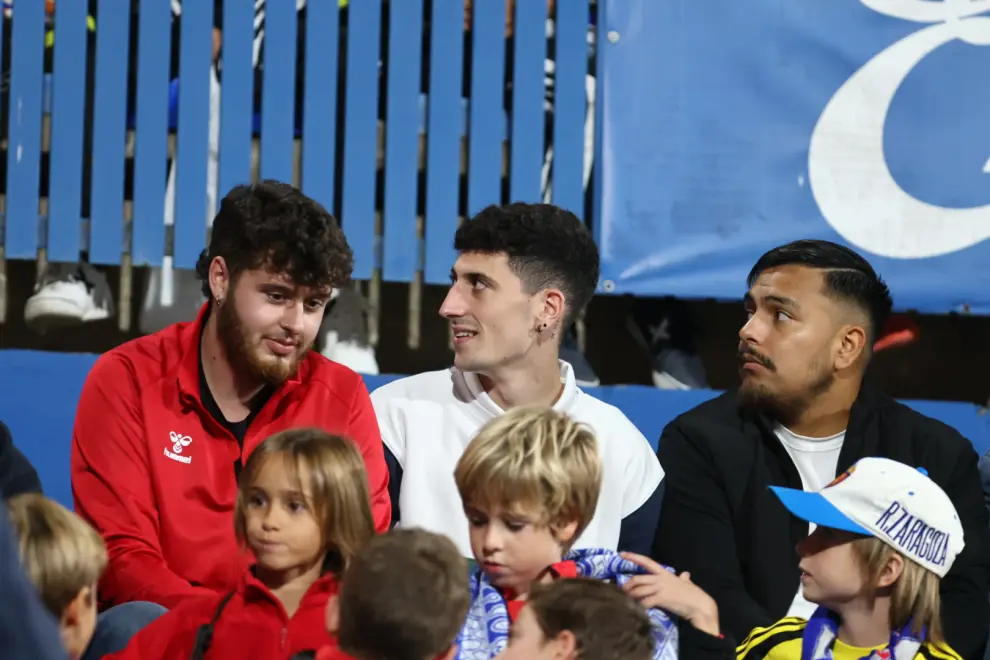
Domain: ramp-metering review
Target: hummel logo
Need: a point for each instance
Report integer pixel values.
(178, 442)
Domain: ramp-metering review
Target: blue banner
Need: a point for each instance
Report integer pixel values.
(731, 127)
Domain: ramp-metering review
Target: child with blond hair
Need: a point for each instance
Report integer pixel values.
(303, 511)
(529, 484)
(885, 535)
(64, 557)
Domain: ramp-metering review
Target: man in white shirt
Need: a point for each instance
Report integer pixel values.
(523, 274)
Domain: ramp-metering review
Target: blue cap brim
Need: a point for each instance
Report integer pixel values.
(816, 509)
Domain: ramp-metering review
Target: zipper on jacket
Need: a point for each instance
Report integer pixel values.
(285, 632)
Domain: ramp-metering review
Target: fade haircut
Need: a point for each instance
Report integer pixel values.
(848, 277)
(607, 623)
(533, 458)
(404, 597)
(547, 247)
(272, 225)
(60, 552)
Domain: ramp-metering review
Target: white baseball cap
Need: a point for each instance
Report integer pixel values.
(894, 502)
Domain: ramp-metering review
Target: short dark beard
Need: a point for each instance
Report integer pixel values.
(786, 409)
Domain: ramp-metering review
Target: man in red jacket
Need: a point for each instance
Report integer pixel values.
(165, 421)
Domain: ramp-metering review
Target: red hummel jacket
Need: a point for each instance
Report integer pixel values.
(252, 624)
(154, 472)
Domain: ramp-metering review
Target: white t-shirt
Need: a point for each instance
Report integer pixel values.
(816, 460)
(427, 420)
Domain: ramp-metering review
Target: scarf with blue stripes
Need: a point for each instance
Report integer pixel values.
(823, 628)
(486, 631)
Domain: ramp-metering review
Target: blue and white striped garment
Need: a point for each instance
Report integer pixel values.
(486, 630)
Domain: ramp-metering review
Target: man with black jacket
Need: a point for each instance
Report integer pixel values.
(802, 415)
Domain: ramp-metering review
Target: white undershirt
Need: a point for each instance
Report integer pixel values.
(816, 460)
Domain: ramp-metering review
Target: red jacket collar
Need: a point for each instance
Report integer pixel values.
(560, 570)
(189, 345)
(188, 376)
(251, 587)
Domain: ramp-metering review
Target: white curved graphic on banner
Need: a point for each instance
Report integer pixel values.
(847, 169)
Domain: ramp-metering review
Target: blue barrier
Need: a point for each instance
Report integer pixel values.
(426, 127)
(42, 388)
(686, 195)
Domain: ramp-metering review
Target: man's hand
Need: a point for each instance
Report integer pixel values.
(676, 594)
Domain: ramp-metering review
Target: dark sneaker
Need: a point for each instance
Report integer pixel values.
(664, 329)
(570, 353)
(170, 296)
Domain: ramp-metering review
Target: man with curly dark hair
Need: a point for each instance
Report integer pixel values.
(523, 273)
(165, 421)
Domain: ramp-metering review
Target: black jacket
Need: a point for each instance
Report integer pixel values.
(16, 473)
(721, 522)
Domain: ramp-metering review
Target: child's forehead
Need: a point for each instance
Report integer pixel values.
(496, 509)
(282, 472)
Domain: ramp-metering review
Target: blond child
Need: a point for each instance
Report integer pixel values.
(580, 619)
(529, 484)
(404, 597)
(885, 535)
(64, 557)
(302, 511)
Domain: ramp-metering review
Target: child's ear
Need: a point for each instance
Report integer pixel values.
(564, 645)
(890, 571)
(78, 621)
(333, 615)
(73, 612)
(450, 654)
(565, 530)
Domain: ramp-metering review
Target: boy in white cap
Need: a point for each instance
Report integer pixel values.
(883, 535)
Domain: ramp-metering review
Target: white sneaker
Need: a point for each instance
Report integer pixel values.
(351, 354)
(344, 332)
(68, 295)
(664, 381)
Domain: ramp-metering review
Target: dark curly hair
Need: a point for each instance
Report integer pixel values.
(273, 225)
(547, 246)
